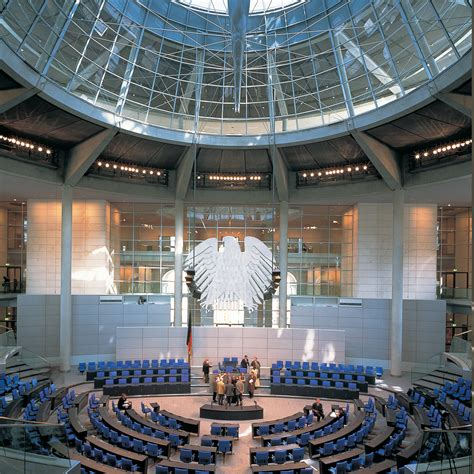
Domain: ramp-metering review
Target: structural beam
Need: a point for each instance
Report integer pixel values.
(184, 171)
(283, 264)
(178, 262)
(65, 299)
(280, 171)
(460, 102)
(396, 320)
(384, 158)
(81, 157)
(12, 97)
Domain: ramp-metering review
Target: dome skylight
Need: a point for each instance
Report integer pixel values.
(256, 6)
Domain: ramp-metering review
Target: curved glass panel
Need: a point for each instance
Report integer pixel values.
(168, 64)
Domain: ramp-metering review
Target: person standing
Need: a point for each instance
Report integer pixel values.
(256, 367)
(229, 392)
(214, 389)
(251, 387)
(205, 370)
(239, 391)
(220, 391)
(317, 409)
(244, 363)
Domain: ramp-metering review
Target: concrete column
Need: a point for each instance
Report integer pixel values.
(178, 262)
(66, 268)
(396, 322)
(283, 262)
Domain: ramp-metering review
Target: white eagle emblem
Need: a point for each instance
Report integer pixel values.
(227, 275)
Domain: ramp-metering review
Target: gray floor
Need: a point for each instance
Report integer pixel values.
(274, 408)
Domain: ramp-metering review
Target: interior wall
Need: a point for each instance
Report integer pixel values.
(268, 344)
(373, 273)
(368, 327)
(3, 241)
(91, 260)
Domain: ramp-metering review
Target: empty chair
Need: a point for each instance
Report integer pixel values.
(261, 458)
(179, 470)
(127, 465)
(206, 442)
(297, 454)
(112, 460)
(216, 430)
(275, 442)
(291, 425)
(341, 468)
(326, 383)
(301, 382)
(280, 456)
(356, 463)
(292, 439)
(81, 367)
(233, 431)
(278, 428)
(138, 446)
(174, 440)
(340, 445)
(339, 384)
(153, 450)
(263, 430)
(161, 470)
(125, 442)
(352, 386)
(186, 455)
(303, 440)
(204, 457)
(224, 446)
(173, 424)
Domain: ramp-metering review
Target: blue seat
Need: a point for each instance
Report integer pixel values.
(145, 409)
(323, 375)
(326, 383)
(336, 376)
(127, 465)
(276, 442)
(327, 449)
(179, 470)
(186, 455)
(379, 371)
(161, 470)
(224, 446)
(138, 446)
(291, 425)
(233, 431)
(292, 439)
(204, 457)
(304, 439)
(153, 450)
(278, 428)
(263, 430)
(301, 382)
(206, 442)
(288, 380)
(216, 430)
(340, 445)
(352, 386)
(276, 380)
(314, 382)
(174, 440)
(297, 454)
(299, 373)
(339, 384)
(81, 367)
(280, 456)
(341, 468)
(112, 460)
(261, 458)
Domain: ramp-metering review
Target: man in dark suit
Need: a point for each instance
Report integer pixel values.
(205, 369)
(245, 362)
(317, 409)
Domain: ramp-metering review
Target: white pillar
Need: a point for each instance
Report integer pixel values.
(178, 262)
(283, 263)
(66, 268)
(396, 322)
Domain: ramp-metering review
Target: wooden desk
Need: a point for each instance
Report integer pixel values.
(191, 467)
(225, 426)
(155, 406)
(390, 416)
(327, 420)
(455, 419)
(359, 404)
(104, 400)
(195, 449)
(183, 435)
(95, 466)
(140, 459)
(421, 417)
(57, 397)
(405, 401)
(44, 411)
(215, 440)
(270, 450)
(327, 462)
(350, 428)
(377, 441)
(296, 467)
(380, 404)
(187, 424)
(406, 455)
(76, 425)
(113, 423)
(270, 424)
(81, 401)
(383, 466)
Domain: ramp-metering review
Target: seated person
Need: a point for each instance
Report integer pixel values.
(317, 409)
(123, 403)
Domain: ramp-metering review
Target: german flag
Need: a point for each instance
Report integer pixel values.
(189, 337)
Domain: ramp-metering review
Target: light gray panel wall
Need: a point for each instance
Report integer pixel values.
(94, 325)
(368, 328)
(267, 344)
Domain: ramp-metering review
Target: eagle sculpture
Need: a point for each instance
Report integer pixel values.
(225, 274)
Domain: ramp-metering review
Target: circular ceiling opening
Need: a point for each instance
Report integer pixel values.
(256, 6)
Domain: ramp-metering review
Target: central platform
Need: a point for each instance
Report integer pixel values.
(221, 412)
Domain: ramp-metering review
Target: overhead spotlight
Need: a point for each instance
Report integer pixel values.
(417, 155)
(365, 167)
(48, 152)
(107, 165)
(158, 173)
(319, 173)
(443, 149)
(144, 171)
(114, 167)
(304, 175)
(40, 148)
(448, 147)
(121, 168)
(435, 152)
(349, 169)
(312, 174)
(99, 163)
(425, 153)
(151, 172)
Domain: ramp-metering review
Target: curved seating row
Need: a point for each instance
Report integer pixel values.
(167, 466)
(287, 468)
(289, 423)
(186, 424)
(225, 429)
(322, 374)
(328, 390)
(360, 385)
(331, 367)
(276, 454)
(129, 364)
(145, 386)
(125, 372)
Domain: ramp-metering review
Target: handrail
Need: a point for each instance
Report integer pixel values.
(462, 333)
(454, 429)
(19, 422)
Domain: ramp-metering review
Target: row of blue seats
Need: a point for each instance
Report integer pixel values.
(30, 412)
(224, 446)
(139, 372)
(460, 390)
(322, 375)
(331, 367)
(162, 420)
(290, 425)
(136, 380)
(172, 470)
(129, 364)
(68, 399)
(16, 393)
(231, 360)
(8, 383)
(348, 442)
(280, 456)
(173, 438)
(218, 430)
(360, 462)
(99, 455)
(304, 438)
(315, 382)
(122, 440)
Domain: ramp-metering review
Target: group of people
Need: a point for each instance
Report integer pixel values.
(228, 388)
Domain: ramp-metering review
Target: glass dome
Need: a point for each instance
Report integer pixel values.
(169, 63)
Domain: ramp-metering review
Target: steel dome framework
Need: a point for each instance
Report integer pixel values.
(169, 63)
